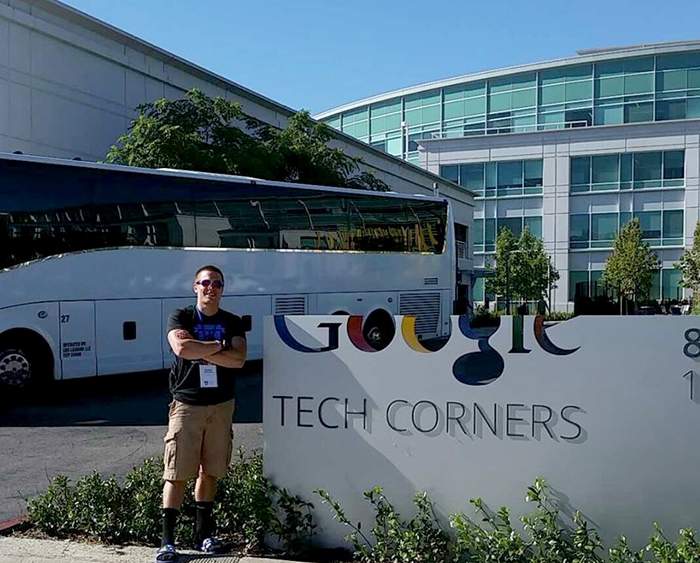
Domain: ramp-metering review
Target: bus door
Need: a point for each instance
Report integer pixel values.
(77, 352)
(129, 333)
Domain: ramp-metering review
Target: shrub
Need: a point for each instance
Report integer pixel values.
(420, 540)
(559, 316)
(247, 508)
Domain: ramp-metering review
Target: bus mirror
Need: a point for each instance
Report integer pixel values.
(247, 323)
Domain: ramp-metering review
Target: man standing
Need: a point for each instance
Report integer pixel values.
(209, 343)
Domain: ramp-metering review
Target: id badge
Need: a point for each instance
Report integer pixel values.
(207, 376)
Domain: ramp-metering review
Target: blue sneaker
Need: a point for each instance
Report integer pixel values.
(212, 546)
(166, 552)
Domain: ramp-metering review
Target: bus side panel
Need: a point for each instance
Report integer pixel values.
(77, 322)
(168, 307)
(257, 306)
(41, 318)
(129, 333)
(356, 303)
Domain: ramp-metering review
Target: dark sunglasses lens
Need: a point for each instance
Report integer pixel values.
(216, 284)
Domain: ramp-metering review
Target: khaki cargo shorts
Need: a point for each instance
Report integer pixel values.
(198, 438)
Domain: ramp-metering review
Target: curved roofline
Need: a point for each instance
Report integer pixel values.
(582, 57)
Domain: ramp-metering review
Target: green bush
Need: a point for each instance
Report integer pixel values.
(247, 507)
(483, 317)
(559, 316)
(420, 540)
(546, 536)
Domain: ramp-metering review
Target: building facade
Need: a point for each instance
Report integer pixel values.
(572, 149)
(70, 85)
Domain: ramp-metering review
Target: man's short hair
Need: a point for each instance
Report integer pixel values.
(210, 269)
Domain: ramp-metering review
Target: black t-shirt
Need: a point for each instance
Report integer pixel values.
(184, 375)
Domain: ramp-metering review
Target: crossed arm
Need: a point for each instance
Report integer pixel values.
(189, 348)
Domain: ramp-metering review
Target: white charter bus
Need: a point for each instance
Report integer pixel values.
(94, 258)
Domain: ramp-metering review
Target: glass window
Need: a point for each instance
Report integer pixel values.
(578, 285)
(674, 165)
(500, 102)
(524, 98)
(450, 172)
(422, 99)
(535, 225)
(609, 115)
(491, 175)
(647, 166)
(552, 94)
(671, 80)
(672, 61)
(513, 224)
(533, 173)
(597, 287)
(608, 87)
(605, 169)
(45, 210)
(604, 226)
(453, 110)
(655, 290)
(578, 228)
(650, 222)
(478, 290)
(670, 109)
(673, 224)
(639, 113)
(479, 231)
(580, 170)
(626, 161)
(579, 91)
(639, 83)
(510, 174)
(472, 176)
(490, 234)
(475, 106)
(670, 281)
(693, 109)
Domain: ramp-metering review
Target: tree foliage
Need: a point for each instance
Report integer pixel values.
(523, 270)
(631, 266)
(689, 264)
(214, 135)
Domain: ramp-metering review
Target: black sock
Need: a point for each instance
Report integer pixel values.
(169, 521)
(204, 527)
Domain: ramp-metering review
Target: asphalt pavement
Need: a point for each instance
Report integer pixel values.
(108, 424)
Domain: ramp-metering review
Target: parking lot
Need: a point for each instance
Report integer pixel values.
(107, 424)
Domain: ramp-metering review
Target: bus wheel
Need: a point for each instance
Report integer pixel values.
(25, 358)
(15, 368)
(379, 329)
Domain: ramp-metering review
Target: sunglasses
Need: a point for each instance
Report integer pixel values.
(216, 284)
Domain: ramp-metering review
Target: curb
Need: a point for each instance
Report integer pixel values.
(11, 524)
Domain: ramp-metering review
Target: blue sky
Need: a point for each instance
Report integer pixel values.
(316, 54)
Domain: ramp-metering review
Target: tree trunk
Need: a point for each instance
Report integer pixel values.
(619, 297)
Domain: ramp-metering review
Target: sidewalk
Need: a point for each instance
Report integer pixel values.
(20, 550)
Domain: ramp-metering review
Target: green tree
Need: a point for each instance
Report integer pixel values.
(631, 266)
(523, 269)
(214, 135)
(501, 282)
(535, 274)
(689, 265)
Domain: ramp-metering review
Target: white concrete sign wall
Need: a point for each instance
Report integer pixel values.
(607, 409)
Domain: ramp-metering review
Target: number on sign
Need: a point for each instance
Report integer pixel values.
(692, 349)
